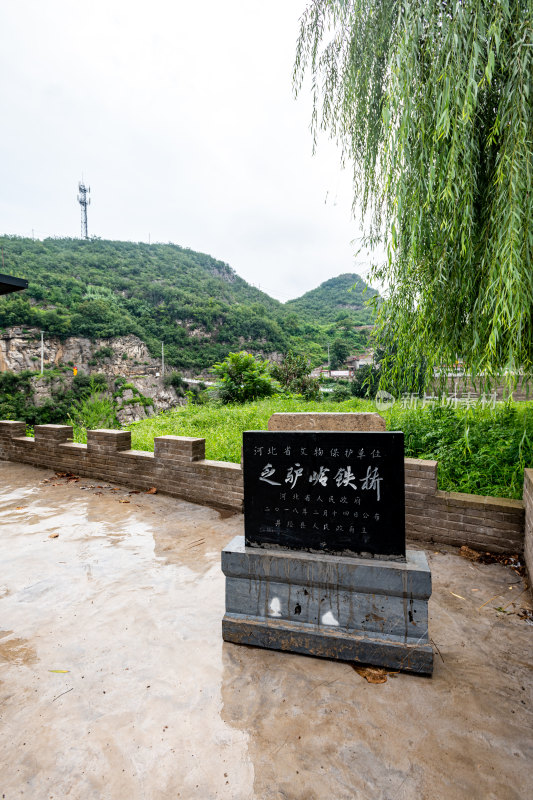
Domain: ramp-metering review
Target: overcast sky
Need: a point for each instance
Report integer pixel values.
(181, 117)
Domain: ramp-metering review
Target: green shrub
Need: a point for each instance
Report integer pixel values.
(480, 450)
(365, 381)
(99, 381)
(102, 353)
(177, 382)
(309, 388)
(95, 410)
(197, 396)
(340, 393)
(340, 350)
(125, 386)
(293, 376)
(290, 371)
(15, 395)
(80, 382)
(17, 402)
(241, 377)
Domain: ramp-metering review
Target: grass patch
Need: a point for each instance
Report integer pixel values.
(480, 450)
(222, 426)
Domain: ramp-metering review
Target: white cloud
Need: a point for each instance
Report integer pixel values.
(182, 119)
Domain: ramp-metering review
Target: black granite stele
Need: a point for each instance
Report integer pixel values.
(338, 493)
(322, 568)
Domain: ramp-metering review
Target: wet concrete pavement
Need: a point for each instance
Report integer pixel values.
(129, 599)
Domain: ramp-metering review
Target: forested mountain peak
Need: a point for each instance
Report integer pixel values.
(347, 294)
(197, 305)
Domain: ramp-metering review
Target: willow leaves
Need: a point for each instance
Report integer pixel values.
(431, 103)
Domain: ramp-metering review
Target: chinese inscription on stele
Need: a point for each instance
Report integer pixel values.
(338, 493)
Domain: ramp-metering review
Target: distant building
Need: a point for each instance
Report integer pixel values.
(367, 359)
(341, 373)
(350, 367)
(336, 373)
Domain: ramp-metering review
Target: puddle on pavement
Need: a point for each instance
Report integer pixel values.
(129, 599)
(129, 602)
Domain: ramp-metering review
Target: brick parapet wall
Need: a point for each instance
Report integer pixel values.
(482, 523)
(178, 467)
(528, 527)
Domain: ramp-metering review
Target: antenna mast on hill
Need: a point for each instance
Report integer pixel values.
(84, 202)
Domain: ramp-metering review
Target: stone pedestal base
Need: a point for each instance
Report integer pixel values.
(353, 609)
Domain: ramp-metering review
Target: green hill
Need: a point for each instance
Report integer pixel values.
(197, 305)
(340, 298)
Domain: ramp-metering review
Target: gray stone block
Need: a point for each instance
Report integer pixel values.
(355, 609)
(326, 421)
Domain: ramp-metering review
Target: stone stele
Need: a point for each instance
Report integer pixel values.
(327, 421)
(351, 609)
(355, 609)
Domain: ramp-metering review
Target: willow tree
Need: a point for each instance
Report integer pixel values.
(432, 103)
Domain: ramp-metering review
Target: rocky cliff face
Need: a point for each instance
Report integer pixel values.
(127, 356)
(163, 397)
(20, 349)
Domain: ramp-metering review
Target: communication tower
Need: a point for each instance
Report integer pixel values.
(84, 201)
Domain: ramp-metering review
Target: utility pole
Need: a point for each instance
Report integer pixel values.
(162, 360)
(42, 352)
(329, 362)
(84, 202)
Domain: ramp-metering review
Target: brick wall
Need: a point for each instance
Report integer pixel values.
(495, 524)
(528, 533)
(177, 467)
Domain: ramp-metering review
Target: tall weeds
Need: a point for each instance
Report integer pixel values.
(480, 450)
